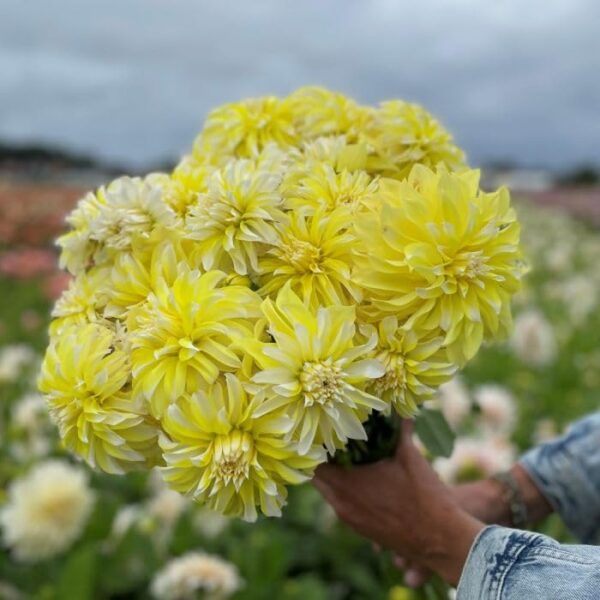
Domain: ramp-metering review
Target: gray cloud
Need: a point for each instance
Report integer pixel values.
(132, 79)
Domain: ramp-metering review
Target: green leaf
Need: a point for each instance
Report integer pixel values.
(436, 589)
(307, 586)
(77, 576)
(129, 564)
(435, 433)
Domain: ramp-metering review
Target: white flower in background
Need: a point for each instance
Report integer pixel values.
(454, 401)
(46, 510)
(182, 578)
(533, 339)
(474, 458)
(30, 416)
(30, 412)
(559, 258)
(498, 409)
(524, 297)
(209, 523)
(127, 516)
(580, 296)
(12, 360)
(34, 447)
(156, 516)
(9, 592)
(166, 506)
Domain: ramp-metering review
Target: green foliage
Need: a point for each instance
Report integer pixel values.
(76, 579)
(435, 433)
(15, 299)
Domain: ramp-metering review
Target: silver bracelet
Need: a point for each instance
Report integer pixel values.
(514, 498)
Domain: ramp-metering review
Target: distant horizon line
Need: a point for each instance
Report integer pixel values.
(32, 151)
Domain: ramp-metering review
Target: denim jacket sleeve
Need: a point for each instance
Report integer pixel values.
(567, 472)
(509, 564)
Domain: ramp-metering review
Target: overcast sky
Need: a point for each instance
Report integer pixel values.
(131, 80)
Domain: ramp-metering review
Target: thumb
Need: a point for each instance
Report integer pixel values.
(329, 474)
(329, 481)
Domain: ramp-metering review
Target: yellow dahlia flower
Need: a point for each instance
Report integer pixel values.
(318, 112)
(112, 219)
(83, 301)
(309, 261)
(442, 254)
(85, 379)
(130, 284)
(404, 134)
(313, 254)
(134, 275)
(314, 369)
(416, 364)
(77, 249)
(181, 188)
(242, 130)
(222, 452)
(184, 332)
(234, 220)
(335, 152)
(324, 188)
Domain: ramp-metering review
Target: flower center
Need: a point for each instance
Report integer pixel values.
(179, 197)
(346, 197)
(233, 454)
(468, 265)
(394, 377)
(322, 383)
(187, 349)
(233, 216)
(220, 213)
(303, 256)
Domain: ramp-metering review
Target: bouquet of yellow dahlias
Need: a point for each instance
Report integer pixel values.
(312, 268)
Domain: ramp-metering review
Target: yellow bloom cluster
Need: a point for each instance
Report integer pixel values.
(233, 322)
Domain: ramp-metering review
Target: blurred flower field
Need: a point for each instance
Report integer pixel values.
(69, 533)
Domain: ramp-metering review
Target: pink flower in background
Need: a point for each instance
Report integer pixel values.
(55, 284)
(33, 214)
(27, 263)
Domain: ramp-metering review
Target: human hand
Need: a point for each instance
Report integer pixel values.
(401, 505)
(486, 501)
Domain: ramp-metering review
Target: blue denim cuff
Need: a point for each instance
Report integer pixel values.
(492, 555)
(567, 473)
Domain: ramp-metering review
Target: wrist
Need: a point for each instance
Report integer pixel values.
(457, 536)
(496, 497)
(538, 507)
(484, 500)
